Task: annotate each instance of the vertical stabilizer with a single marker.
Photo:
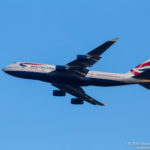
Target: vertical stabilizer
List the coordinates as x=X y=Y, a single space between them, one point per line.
x=140 y=69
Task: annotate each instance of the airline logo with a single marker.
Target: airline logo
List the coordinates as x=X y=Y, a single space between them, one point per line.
x=29 y=64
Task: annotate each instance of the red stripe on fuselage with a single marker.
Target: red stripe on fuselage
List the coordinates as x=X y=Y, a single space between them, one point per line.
x=30 y=64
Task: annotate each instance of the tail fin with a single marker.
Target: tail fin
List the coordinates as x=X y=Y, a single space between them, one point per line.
x=141 y=71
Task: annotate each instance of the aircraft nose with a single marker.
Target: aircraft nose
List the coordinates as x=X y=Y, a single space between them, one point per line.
x=3 y=69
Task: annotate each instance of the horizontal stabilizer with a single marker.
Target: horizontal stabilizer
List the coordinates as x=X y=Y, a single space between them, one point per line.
x=146 y=85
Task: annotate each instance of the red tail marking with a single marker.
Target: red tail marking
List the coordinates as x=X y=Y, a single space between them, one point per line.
x=146 y=64
x=134 y=72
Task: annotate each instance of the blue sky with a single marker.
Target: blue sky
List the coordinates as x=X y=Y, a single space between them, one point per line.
x=54 y=32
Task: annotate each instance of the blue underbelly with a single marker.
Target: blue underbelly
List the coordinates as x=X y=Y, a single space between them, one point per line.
x=47 y=78
x=102 y=82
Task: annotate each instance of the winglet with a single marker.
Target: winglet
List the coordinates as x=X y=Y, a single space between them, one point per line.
x=115 y=39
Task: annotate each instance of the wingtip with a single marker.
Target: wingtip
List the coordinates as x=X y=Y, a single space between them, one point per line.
x=105 y=104
x=102 y=104
x=115 y=39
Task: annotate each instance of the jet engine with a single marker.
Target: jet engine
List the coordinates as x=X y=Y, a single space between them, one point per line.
x=58 y=93
x=76 y=101
x=83 y=57
x=61 y=68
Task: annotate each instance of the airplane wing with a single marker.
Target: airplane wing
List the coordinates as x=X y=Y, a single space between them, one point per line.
x=77 y=69
x=83 y=61
x=93 y=56
x=78 y=92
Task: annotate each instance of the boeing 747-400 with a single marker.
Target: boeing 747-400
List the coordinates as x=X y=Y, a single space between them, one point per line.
x=71 y=77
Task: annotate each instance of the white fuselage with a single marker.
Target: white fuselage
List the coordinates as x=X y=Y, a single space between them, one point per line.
x=46 y=73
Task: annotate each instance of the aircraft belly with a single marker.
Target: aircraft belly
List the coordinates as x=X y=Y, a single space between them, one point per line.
x=102 y=82
x=47 y=78
x=44 y=77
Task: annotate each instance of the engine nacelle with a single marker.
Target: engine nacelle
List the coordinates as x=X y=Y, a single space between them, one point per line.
x=61 y=68
x=83 y=57
x=58 y=93
x=76 y=101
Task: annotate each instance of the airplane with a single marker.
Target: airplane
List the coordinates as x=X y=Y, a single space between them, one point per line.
x=70 y=78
